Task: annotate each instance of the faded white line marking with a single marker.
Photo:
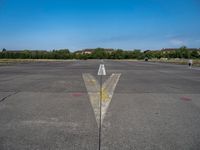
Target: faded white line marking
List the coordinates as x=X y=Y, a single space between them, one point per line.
x=108 y=88
x=93 y=87
x=102 y=70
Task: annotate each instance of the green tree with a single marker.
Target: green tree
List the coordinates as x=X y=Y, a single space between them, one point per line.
x=195 y=54
x=184 y=52
x=3 y=50
x=99 y=53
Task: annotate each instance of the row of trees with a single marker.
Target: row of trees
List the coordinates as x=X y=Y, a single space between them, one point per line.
x=101 y=53
x=26 y=54
x=182 y=52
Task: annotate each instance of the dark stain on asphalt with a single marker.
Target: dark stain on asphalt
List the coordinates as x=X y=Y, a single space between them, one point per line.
x=184 y=98
x=77 y=94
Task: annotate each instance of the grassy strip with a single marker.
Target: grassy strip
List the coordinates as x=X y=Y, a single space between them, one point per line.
x=196 y=62
x=8 y=61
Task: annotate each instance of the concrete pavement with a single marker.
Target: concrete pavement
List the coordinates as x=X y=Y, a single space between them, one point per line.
x=46 y=106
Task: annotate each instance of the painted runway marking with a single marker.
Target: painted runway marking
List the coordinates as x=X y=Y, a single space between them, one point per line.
x=102 y=70
x=93 y=89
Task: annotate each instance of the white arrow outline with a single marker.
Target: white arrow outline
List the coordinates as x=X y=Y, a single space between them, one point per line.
x=108 y=88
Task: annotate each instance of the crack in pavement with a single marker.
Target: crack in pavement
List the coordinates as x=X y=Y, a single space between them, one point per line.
x=4 y=98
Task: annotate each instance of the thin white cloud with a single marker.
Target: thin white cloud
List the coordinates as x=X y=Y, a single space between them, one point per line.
x=177 y=42
x=198 y=41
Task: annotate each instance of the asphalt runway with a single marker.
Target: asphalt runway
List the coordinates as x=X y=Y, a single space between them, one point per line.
x=47 y=106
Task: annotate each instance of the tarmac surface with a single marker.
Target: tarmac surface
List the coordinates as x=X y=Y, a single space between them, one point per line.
x=46 y=106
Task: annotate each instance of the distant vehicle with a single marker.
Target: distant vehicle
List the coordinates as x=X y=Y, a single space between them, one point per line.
x=146 y=59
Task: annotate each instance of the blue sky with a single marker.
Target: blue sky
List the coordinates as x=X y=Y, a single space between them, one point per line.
x=79 y=24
